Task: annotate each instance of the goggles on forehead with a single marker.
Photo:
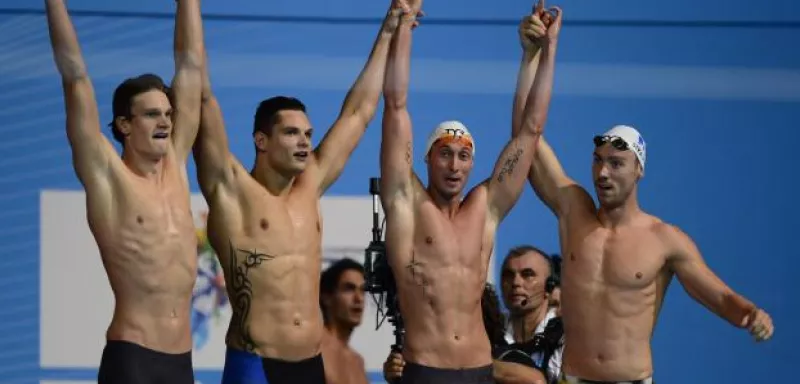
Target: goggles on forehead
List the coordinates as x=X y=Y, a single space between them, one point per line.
x=615 y=142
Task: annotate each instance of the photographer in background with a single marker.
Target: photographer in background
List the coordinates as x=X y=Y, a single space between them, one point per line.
x=528 y=278
x=341 y=299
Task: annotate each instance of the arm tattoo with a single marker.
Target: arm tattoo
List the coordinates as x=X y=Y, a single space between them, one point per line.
x=241 y=291
x=416 y=275
x=408 y=153
x=509 y=164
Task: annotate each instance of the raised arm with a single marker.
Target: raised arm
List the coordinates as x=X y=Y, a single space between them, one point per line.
x=706 y=288
x=186 y=86
x=358 y=109
x=91 y=152
x=510 y=171
x=211 y=151
x=396 y=154
x=531 y=30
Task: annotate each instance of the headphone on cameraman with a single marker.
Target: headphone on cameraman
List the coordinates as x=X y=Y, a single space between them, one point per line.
x=554 y=280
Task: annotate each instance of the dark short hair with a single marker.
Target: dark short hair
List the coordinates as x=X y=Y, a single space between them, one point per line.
x=267 y=112
x=331 y=276
x=520 y=250
x=124 y=94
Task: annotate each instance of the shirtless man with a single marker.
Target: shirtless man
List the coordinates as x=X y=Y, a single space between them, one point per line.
x=265 y=224
x=138 y=205
x=617 y=264
x=438 y=244
x=342 y=303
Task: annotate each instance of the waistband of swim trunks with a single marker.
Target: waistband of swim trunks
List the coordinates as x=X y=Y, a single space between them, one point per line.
x=566 y=379
x=443 y=375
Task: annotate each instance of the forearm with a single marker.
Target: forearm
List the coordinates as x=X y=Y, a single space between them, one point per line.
x=734 y=308
x=64 y=42
x=362 y=98
x=395 y=87
x=188 y=40
x=513 y=373
x=525 y=77
x=538 y=101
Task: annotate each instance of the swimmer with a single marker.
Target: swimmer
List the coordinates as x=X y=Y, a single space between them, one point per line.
x=265 y=223
x=342 y=304
x=618 y=261
x=439 y=240
x=138 y=204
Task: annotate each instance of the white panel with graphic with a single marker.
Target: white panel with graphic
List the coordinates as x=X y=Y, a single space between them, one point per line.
x=77 y=304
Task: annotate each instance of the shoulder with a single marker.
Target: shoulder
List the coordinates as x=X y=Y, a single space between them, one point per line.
x=672 y=237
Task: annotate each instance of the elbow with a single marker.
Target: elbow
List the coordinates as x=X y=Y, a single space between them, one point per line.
x=189 y=60
x=395 y=100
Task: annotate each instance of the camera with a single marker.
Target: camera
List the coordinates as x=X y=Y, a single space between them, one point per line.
x=379 y=280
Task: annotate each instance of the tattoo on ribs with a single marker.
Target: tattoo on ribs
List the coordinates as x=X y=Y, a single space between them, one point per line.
x=509 y=164
x=417 y=276
x=408 y=153
x=241 y=290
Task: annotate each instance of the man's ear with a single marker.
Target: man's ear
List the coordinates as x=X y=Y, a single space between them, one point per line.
x=260 y=140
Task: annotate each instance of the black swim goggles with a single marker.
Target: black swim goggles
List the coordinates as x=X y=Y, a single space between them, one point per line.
x=615 y=141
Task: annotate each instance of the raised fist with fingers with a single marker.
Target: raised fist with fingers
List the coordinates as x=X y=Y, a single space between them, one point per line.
x=531 y=31
x=759 y=324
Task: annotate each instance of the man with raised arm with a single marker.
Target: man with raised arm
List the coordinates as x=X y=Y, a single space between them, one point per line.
x=617 y=263
x=265 y=223
x=138 y=205
x=438 y=244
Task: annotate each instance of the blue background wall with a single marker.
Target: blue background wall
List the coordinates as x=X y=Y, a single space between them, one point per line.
x=714 y=86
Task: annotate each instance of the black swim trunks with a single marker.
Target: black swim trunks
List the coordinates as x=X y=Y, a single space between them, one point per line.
x=128 y=363
x=420 y=374
x=308 y=371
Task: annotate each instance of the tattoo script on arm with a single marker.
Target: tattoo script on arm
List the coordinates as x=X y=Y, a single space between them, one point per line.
x=509 y=164
x=241 y=290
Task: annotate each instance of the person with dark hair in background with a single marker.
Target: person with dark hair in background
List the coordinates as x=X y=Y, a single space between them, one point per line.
x=342 y=302
x=265 y=223
x=138 y=205
x=439 y=238
x=536 y=335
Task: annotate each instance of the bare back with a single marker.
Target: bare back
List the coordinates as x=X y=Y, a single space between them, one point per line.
x=147 y=241
x=343 y=365
x=613 y=287
x=270 y=251
x=440 y=268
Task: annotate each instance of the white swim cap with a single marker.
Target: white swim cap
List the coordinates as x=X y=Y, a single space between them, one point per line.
x=452 y=131
x=632 y=138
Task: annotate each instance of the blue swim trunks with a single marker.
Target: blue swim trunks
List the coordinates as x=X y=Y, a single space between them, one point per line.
x=243 y=368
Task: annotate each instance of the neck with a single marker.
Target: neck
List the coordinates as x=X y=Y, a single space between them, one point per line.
x=147 y=167
x=340 y=332
x=620 y=215
x=448 y=206
x=274 y=181
x=524 y=325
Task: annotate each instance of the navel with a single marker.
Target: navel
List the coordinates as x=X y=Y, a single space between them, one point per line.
x=457 y=337
x=319 y=228
x=296 y=322
x=572 y=256
x=264 y=224
x=429 y=240
x=139 y=219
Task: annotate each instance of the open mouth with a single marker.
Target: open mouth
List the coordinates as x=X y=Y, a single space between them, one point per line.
x=161 y=135
x=302 y=155
x=452 y=180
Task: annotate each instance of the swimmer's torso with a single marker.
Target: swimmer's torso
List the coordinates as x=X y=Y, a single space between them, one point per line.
x=342 y=364
x=613 y=287
x=269 y=248
x=440 y=269
x=148 y=245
